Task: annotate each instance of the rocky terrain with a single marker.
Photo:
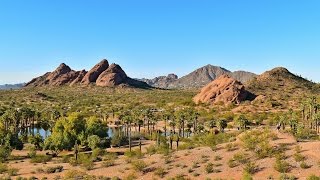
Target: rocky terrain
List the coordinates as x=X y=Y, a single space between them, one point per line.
x=224 y=89
x=101 y=75
x=280 y=82
x=198 y=78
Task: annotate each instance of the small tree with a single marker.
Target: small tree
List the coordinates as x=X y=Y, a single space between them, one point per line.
x=93 y=141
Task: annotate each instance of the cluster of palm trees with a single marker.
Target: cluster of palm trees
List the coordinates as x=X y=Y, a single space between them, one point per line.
x=25 y=120
x=310 y=114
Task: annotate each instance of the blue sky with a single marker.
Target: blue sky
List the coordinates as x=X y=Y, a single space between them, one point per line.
x=155 y=37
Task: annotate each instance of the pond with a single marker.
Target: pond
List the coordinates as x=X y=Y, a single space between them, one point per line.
x=46 y=133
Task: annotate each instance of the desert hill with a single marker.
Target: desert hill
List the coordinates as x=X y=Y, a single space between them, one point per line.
x=280 y=81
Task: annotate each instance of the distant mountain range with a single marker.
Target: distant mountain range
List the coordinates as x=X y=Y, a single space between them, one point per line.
x=11 y=86
x=197 y=78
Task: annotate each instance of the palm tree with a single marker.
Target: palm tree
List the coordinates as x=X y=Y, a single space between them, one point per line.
x=242 y=122
x=222 y=124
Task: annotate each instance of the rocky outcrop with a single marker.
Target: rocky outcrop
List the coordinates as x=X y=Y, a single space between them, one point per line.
x=94 y=73
x=79 y=78
x=111 y=77
x=61 y=76
x=224 y=89
x=101 y=75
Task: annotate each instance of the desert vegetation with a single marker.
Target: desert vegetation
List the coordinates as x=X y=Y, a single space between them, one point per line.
x=115 y=133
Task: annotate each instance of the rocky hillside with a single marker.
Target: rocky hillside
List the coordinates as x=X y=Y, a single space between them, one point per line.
x=278 y=81
x=224 y=89
x=198 y=78
x=101 y=75
x=161 y=81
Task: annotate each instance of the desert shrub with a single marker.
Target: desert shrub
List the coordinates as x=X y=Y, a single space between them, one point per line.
x=298 y=149
x=304 y=133
x=65 y=159
x=134 y=154
x=3 y=168
x=110 y=156
x=13 y=171
x=32 y=152
x=96 y=153
x=4 y=153
x=86 y=161
x=93 y=141
x=119 y=140
x=56 y=169
x=304 y=165
x=251 y=168
x=258 y=142
x=139 y=165
x=108 y=163
x=298 y=157
x=231 y=147
x=240 y=158
x=232 y=163
x=151 y=150
x=287 y=177
x=313 y=177
x=74 y=174
x=41 y=159
x=246 y=176
x=131 y=176
x=217 y=158
x=160 y=172
x=282 y=166
x=212 y=140
x=209 y=168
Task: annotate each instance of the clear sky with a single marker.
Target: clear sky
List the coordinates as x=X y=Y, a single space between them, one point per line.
x=155 y=37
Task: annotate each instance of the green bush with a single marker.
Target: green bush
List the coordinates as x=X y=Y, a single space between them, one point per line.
x=86 y=161
x=246 y=176
x=298 y=157
x=134 y=154
x=232 y=163
x=108 y=163
x=287 y=177
x=32 y=152
x=313 y=177
x=41 y=159
x=160 y=172
x=3 y=168
x=282 y=166
x=13 y=172
x=4 y=153
x=240 y=158
x=52 y=170
x=209 y=168
x=250 y=168
x=304 y=165
x=74 y=174
x=139 y=165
